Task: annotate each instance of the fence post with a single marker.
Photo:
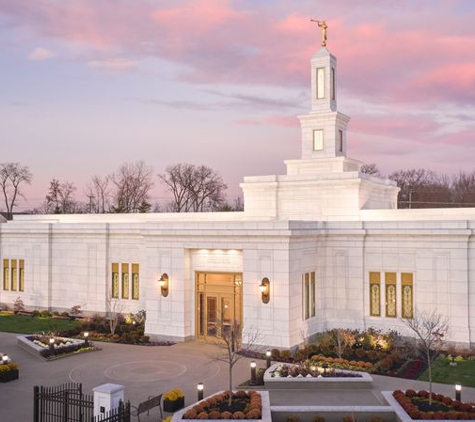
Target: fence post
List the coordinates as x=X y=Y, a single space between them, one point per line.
x=107 y=397
x=36 y=392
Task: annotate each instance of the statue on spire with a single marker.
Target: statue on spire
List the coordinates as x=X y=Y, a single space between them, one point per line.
x=324 y=27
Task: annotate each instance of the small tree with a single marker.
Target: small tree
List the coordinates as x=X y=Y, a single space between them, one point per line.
x=431 y=330
x=230 y=346
x=114 y=309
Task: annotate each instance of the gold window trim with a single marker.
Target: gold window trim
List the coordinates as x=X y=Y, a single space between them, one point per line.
x=135 y=281
x=375 y=293
x=390 y=280
x=125 y=281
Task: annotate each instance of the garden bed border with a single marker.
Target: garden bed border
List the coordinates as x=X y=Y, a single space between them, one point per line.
x=35 y=349
x=400 y=412
x=266 y=410
x=363 y=382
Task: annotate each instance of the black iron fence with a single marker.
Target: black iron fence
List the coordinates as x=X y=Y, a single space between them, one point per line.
x=67 y=403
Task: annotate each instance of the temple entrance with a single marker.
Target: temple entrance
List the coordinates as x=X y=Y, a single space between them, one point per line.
x=218 y=304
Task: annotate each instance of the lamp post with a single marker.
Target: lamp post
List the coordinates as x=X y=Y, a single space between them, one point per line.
x=253 y=373
x=325 y=367
x=51 y=344
x=200 y=388
x=458 y=392
x=268 y=359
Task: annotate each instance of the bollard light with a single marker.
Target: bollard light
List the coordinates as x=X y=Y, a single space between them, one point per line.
x=253 y=373
x=200 y=387
x=325 y=367
x=268 y=358
x=86 y=338
x=458 y=392
x=4 y=359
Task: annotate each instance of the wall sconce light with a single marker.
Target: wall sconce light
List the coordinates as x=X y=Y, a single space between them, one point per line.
x=163 y=284
x=458 y=392
x=264 y=288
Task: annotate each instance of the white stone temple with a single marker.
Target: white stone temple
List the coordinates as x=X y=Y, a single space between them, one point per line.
x=323 y=246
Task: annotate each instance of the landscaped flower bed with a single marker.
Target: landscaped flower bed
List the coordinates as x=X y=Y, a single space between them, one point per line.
x=8 y=371
x=244 y=405
x=416 y=405
x=310 y=371
x=40 y=345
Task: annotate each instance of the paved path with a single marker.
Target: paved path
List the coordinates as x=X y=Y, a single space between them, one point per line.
x=146 y=371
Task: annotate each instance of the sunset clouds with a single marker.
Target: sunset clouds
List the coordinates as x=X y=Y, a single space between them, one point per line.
x=406 y=76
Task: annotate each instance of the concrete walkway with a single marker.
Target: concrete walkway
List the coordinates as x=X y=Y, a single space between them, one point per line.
x=146 y=371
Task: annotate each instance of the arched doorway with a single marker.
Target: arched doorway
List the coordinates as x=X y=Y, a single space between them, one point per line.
x=218 y=303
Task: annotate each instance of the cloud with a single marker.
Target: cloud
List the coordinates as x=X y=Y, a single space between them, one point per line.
x=40 y=53
x=113 y=65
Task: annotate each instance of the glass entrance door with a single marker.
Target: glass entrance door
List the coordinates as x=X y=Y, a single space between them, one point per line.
x=218 y=304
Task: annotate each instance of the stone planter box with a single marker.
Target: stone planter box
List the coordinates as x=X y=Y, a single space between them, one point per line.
x=335 y=383
x=173 y=406
x=9 y=375
x=266 y=411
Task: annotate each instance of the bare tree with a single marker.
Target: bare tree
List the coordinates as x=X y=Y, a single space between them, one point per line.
x=431 y=330
x=343 y=340
x=12 y=175
x=132 y=182
x=421 y=188
x=114 y=310
x=194 y=188
x=59 y=199
x=371 y=169
x=231 y=344
x=463 y=189
x=99 y=194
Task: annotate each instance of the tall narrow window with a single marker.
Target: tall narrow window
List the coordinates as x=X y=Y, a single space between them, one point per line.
x=125 y=281
x=14 y=275
x=375 y=294
x=320 y=83
x=6 y=274
x=340 y=140
x=318 y=139
x=312 y=294
x=135 y=281
x=390 y=282
x=115 y=281
x=333 y=84
x=308 y=290
x=406 y=294
x=22 y=275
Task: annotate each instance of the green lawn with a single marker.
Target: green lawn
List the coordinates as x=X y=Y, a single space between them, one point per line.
x=442 y=372
x=28 y=325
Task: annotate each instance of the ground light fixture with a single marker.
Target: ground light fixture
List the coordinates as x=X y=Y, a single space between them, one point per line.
x=253 y=373
x=325 y=367
x=268 y=358
x=86 y=338
x=264 y=288
x=51 y=343
x=4 y=359
x=200 y=387
x=163 y=283
x=458 y=392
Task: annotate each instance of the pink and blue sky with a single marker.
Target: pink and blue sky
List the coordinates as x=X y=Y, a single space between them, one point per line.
x=87 y=85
